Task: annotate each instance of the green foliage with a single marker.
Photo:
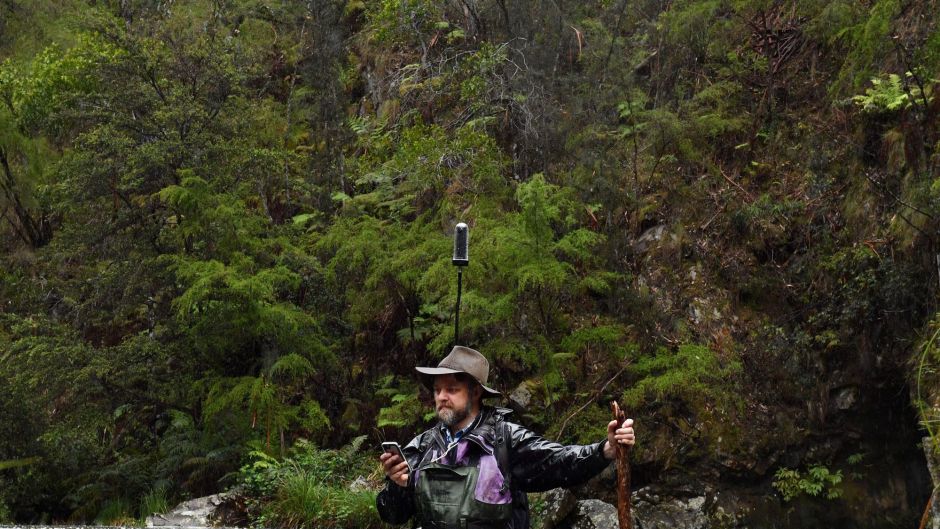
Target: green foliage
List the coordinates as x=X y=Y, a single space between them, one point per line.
x=404 y=408
x=310 y=488
x=887 y=95
x=692 y=374
x=539 y=256
x=154 y=502
x=17 y=463
x=925 y=378
x=115 y=512
x=42 y=94
x=402 y=21
x=816 y=481
x=867 y=39
x=267 y=403
x=227 y=228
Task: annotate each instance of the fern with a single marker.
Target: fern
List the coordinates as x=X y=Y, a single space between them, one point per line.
x=692 y=374
x=817 y=480
x=404 y=409
x=885 y=95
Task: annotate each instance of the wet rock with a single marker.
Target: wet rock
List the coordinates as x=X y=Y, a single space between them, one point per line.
x=650 y=237
x=191 y=513
x=845 y=398
x=557 y=504
x=672 y=513
x=521 y=397
x=233 y=511
x=595 y=514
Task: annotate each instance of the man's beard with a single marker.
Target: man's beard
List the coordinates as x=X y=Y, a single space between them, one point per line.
x=451 y=417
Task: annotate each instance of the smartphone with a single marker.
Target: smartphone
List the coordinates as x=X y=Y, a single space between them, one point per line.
x=394 y=448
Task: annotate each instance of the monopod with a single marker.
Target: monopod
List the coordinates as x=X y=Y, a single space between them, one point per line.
x=460 y=260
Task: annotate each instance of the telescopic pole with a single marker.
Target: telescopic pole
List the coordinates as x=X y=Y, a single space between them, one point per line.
x=457 y=310
x=461 y=259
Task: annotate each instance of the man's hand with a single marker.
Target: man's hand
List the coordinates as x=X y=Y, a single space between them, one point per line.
x=395 y=468
x=623 y=435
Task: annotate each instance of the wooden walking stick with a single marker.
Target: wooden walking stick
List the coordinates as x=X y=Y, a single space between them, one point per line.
x=623 y=474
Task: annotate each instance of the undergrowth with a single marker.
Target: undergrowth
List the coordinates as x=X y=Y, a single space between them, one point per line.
x=313 y=487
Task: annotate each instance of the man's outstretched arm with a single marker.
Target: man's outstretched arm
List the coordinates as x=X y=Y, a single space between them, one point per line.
x=539 y=464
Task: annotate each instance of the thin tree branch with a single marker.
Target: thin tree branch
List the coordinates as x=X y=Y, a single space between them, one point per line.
x=589 y=402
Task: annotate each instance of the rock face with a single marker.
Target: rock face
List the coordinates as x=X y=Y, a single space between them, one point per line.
x=595 y=514
x=676 y=513
x=190 y=513
x=650 y=237
x=561 y=510
x=558 y=504
x=521 y=397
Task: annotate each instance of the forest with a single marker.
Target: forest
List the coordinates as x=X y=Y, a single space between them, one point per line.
x=226 y=233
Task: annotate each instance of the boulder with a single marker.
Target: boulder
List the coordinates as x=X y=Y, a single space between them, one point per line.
x=650 y=237
x=556 y=505
x=595 y=514
x=521 y=397
x=190 y=513
x=845 y=398
x=672 y=513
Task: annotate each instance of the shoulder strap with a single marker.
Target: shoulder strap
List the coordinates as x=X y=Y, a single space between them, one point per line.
x=503 y=439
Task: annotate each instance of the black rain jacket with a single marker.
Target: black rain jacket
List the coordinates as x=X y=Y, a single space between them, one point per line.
x=536 y=465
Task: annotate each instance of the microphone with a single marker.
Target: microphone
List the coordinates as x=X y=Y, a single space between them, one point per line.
x=461 y=244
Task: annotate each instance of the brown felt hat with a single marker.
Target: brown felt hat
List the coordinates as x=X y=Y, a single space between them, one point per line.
x=462 y=360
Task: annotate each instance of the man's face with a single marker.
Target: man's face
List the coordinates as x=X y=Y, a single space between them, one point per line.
x=452 y=400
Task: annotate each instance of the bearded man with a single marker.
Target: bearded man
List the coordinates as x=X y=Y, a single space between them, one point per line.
x=473 y=469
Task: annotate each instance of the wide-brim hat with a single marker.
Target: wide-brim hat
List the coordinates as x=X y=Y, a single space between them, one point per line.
x=461 y=360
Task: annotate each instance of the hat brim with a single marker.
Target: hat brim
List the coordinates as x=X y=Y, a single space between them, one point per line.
x=431 y=372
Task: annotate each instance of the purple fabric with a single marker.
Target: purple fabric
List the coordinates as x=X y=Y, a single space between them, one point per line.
x=490 y=482
x=490 y=486
x=462 y=448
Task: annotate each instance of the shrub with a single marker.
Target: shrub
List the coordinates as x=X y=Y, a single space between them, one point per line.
x=311 y=487
x=816 y=481
x=154 y=502
x=115 y=512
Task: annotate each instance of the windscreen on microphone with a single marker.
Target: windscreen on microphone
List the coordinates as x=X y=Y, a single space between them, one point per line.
x=461 y=243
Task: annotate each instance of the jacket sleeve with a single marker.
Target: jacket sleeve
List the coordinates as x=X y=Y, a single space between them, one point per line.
x=539 y=465
x=396 y=504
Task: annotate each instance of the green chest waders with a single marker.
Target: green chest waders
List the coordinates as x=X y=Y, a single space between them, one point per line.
x=444 y=496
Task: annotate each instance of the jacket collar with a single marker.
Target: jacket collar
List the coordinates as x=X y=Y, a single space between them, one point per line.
x=484 y=431
x=449 y=438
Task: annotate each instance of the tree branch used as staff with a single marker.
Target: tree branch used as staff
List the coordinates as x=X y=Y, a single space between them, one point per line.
x=624 y=518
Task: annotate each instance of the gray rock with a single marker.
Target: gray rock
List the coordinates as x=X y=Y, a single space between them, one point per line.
x=190 y=513
x=595 y=514
x=845 y=398
x=674 y=513
x=360 y=484
x=650 y=237
x=557 y=505
x=521 y=397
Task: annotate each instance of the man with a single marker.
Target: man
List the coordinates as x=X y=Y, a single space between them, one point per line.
x=473 y=469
